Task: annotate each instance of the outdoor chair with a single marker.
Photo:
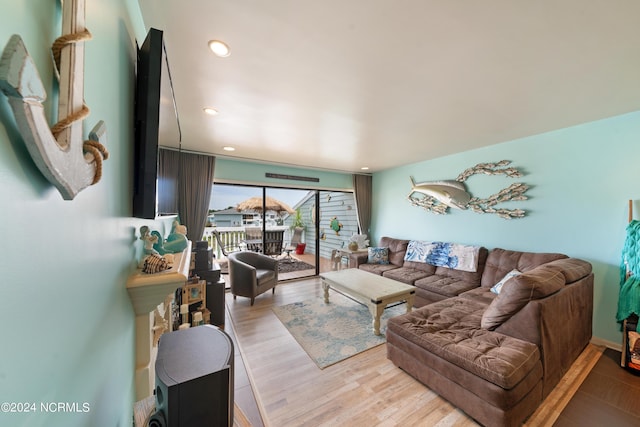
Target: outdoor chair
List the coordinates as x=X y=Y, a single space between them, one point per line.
x=293 y=243
x=273 y=240
x=253 y=238
x=252 y=274
x=226 y=250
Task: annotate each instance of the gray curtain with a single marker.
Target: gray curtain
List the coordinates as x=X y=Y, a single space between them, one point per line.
x=168 y=169
x=194 y=192
x=363 y=190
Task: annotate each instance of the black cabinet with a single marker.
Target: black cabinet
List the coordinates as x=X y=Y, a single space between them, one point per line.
x=215 y=294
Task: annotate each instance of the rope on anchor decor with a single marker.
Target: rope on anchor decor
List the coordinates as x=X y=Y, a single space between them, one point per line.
x=64 y=40
x=93 y=147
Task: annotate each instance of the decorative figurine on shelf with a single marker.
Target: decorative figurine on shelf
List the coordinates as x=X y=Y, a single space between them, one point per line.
x=159 y=244
x=154 y=263
x=149 y=240
x=176 y=241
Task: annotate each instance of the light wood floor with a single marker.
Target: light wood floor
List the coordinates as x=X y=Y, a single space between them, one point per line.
x=364 y=390
x=609 y=396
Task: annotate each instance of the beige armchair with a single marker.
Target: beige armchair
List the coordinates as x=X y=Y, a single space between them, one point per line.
x=252 y=274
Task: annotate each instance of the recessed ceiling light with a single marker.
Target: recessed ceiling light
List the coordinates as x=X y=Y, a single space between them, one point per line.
x=219 y=48
x=210 y=111
x=364 y=168
x=228 y=148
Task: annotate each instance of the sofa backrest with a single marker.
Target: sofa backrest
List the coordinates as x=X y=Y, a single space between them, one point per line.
x=502 y=261
x=397 y=249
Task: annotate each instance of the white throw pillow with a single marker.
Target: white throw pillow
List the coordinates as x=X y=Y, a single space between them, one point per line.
x=498 y=286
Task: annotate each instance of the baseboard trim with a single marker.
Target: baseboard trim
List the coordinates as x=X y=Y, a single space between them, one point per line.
x=609 y=344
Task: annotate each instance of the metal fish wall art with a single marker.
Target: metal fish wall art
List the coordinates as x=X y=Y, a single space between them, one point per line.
x=438 y=196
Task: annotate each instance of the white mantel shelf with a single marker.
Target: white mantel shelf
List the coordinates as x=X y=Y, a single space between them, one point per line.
x=148 y=290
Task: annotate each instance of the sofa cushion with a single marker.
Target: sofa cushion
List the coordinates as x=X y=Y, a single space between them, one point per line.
x=480 y=294
x=377 y=268
x=422 y=266
x=397 y=249
x=450 y=329
x=444 y=285
x=264 y=276
x=519 y=290
x=501 y=261
x=410 y=272
x=378 y=255
x=406 y=274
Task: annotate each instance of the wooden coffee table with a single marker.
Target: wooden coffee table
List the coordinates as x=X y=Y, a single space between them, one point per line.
x=376 y=292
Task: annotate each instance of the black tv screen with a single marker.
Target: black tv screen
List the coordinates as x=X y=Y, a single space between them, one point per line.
x=156 y=121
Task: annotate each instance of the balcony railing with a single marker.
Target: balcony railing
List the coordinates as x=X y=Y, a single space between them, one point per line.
x=234 y=237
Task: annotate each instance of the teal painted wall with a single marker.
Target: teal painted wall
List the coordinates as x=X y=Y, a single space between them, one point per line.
x=67 y=321
x=581 y=179
x=238 y=171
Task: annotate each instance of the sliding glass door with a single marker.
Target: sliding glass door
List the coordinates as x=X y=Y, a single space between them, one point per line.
x=264 y=219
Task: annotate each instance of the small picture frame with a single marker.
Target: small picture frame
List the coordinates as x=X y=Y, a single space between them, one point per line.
x=193 y=292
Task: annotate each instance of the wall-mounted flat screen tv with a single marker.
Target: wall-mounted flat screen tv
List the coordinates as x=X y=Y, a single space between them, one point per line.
x=156 y=121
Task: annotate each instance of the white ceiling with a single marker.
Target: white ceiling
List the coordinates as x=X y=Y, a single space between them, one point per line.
x=341 y=84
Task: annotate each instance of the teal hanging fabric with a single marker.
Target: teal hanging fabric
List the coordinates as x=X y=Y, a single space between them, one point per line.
x=629 y=296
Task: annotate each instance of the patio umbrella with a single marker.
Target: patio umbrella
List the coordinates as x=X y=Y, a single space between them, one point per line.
x=255 y=204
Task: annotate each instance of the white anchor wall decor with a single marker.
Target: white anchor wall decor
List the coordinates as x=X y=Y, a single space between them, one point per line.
x=438 y=196
x=60 y=153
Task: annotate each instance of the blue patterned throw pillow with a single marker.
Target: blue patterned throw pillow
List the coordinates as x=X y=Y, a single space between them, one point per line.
x=378 y=255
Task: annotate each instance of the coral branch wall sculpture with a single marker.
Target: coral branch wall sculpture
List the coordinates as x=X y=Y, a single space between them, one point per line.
x=438 y=196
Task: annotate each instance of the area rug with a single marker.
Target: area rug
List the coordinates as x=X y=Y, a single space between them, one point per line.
x=336 y=331
x=286 y=266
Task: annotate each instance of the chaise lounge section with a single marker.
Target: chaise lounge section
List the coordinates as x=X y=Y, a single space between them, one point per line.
x=494 y=356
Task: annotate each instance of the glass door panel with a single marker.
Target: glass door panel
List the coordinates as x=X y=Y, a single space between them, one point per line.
x=231 y=223
x=338 y=222
x=297 y=259
x=236 y=213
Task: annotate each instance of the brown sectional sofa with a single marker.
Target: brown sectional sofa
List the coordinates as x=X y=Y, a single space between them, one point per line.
x=496 y=357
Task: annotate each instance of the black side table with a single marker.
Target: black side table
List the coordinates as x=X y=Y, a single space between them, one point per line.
x=215 y=294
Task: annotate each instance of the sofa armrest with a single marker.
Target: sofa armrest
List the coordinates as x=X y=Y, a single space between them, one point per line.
x=243 y=278
x=356 y=259
x=560 y=324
